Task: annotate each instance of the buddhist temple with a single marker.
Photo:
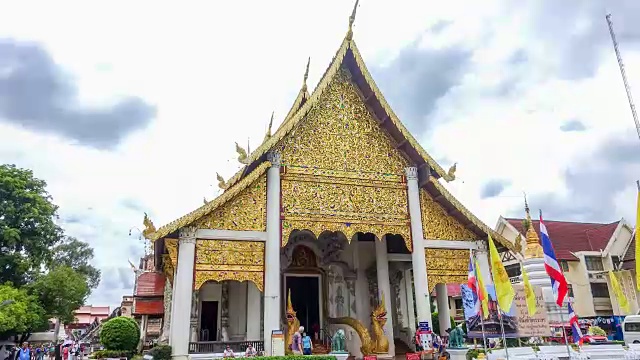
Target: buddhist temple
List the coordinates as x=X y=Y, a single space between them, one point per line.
x=338 y=220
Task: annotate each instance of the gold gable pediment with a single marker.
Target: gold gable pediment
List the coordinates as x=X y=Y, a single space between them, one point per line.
x=437 y=224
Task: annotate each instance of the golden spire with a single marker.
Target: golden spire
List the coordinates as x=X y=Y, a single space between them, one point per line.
x=290 y=310
x=352 y=18
x=533 y=249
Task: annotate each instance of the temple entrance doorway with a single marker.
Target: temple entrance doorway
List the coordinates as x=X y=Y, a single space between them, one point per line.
x=209 y=321
x=305 y=299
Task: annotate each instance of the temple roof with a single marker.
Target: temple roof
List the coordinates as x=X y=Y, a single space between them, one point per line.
x=429 y=170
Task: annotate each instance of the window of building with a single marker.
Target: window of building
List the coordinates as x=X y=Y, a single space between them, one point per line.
x=599 y=290
x=593 y=263
x=570 y=290
x=513 y=270
x=458 y=303
x=564 y=265
x=615 y=259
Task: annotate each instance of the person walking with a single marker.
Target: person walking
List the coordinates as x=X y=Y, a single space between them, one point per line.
x=24 y=353
x=307 y=345
x=296 y=342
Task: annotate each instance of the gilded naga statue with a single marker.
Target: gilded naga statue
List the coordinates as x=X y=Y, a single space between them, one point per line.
x=293 y=324
x=243 y=158
x=221 y=183
x=149 y=228
x=378 y=320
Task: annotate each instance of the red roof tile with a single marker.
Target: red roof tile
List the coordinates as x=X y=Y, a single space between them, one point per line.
x=148 y=307
x=150 y=284
x=568 y=237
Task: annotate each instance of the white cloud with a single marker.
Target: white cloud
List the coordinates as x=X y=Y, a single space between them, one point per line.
x=216 y=72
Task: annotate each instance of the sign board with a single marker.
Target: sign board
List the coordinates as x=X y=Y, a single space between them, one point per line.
x=424 y=326
x=277 y=343
x=531 y=326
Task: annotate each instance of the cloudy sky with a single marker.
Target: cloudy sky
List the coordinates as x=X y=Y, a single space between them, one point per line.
x=126 y=107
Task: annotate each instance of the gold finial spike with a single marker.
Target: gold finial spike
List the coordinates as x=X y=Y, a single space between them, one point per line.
x=306 y=75
x=248 y=147
x=267 y=136
x=352 y=19
x=221 y=183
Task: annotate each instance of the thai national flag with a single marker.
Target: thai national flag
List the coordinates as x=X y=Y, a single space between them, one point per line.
x=558 y=281
x=472 y=282
x=575 y=327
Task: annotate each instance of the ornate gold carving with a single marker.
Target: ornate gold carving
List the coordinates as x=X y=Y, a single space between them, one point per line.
x=214 y=204
x=469 y=215
x=172 y=249
x=438 y=225
x=246 y=211
x=149 y=228
x=218 y=260
x=204 y=276
x=293 y=324
x=167 y=267
x=347 y=227
x=446 y=266
x=361 y=330
x=378 y=319
x=340 y=133
x=221 y=184
x=303 y=257
x=242 y=154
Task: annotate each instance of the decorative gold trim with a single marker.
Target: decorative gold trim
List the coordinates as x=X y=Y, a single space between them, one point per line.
x=469 y=215
x=212 y=205
x=446 y=266
x=172 y=249
x=219 y=260
x=204 y=276
x=167 y=267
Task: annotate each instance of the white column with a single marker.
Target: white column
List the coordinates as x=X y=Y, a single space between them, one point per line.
x=423 y=304
x=272 y=253
x=410 y=307
x=253 y=312
x=384 y=288
x=444 y=314
x=181 y=319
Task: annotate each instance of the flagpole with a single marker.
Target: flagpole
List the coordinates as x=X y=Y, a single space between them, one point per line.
x=564 y=331
x=504 y=338
x=484 y=336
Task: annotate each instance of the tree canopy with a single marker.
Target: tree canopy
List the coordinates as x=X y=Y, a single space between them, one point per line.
x=27 y=225
x=45 y=273
x=77 y=255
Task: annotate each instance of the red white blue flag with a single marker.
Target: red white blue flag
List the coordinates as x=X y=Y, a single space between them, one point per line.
x=558 y=281
x=472 y=282
x=575 y=327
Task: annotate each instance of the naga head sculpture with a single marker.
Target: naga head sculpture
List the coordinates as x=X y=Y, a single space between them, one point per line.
x=291 y=314
x=379 y=314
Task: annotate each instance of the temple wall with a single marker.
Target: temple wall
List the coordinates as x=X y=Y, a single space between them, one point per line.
x=237 y=310
x=211 y=292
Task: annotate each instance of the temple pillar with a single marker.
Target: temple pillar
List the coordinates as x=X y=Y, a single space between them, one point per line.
x=224 y=311
x=272 y=253
x=194 y=316
x=418 y=261
x=444 y=313
x=183 y=292
x=410 y=306
x=166 y=321
x=384 y=289
x=253 y=312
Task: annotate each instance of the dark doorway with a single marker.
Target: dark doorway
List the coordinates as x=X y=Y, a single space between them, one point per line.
x=305 y=300
x=209 y=321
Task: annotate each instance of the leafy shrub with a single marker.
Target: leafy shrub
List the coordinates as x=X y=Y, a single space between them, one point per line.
x=101 y=354
x=473 y=353
x=120 y=333
x=161 y=352
x=597 y=330
x=435 y=322
x=295 y=357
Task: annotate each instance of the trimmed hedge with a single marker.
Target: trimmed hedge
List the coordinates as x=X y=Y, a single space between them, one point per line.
x=120 y=333
x=161 y=352
x=295 y=357
x=103 y=354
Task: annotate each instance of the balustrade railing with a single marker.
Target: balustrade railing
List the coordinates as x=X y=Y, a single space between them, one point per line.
x=209 y=347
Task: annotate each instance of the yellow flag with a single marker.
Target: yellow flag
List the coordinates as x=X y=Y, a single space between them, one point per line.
x=482 y=291
x=617 y=290
x=504 y=289
x=529 y=294
x=637 y=235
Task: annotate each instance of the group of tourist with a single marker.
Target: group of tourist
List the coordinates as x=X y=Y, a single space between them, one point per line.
x=249 y=352
x=60 y=351
x=301 y=343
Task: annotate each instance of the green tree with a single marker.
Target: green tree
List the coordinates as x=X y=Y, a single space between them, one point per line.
x=61 y=291
x=22 y=316
x=120 y=333
x=77 y=255
x=27 y=225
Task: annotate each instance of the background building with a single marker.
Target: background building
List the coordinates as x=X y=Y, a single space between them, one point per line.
x=586 y=252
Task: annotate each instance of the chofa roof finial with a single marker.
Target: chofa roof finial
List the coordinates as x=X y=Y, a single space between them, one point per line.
x=352 y=18
x=306 y=75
